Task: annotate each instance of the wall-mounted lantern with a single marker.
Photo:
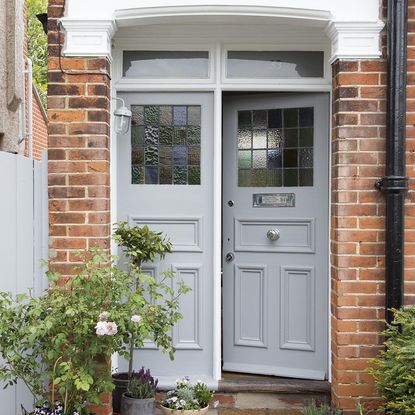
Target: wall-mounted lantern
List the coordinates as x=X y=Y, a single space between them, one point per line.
x=122 y=118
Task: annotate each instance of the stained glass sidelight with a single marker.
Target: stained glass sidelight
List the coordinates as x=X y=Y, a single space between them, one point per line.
x=165 y=144
x=275 y=147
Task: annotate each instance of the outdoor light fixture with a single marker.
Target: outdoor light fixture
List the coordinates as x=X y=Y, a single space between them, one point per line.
x=43 y=18
x=122 y=118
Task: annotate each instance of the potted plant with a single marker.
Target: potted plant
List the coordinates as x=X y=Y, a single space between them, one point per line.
x=139 y=398
x=187 y=399
x=141 y=245
x=60 y=344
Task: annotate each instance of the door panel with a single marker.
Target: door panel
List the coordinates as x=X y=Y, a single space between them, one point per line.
x=275 y=224
x=165 y=182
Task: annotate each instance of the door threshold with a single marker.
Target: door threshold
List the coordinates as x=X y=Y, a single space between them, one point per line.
x=240 y=382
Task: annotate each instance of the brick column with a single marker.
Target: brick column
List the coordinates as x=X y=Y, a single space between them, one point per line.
x=358 y=225
x=79 y=155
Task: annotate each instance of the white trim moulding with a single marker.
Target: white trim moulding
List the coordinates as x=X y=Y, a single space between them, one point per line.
x=129 y=17
x=354 y=40
x=349 y=39
x=88 y=37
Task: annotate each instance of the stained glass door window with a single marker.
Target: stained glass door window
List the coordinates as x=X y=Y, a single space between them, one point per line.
x=165 y=144
x=275 y=147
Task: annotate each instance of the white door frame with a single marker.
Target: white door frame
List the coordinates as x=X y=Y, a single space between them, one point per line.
x=217 y=83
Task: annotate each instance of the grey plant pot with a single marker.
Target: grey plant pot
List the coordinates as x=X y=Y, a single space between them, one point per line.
x=131 y=406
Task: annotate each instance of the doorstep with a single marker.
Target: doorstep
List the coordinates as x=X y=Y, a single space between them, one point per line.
x=210 y=412
x=265 y=395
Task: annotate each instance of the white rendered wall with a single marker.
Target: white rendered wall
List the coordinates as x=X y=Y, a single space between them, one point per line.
x=350 y=10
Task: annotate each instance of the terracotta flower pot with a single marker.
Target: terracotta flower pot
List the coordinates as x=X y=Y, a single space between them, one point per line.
x=169 y=411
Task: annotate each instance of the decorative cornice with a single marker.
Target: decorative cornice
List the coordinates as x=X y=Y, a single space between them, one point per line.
x=88 y=37
x=128 y=17
x=354 y=40
x=349 y=39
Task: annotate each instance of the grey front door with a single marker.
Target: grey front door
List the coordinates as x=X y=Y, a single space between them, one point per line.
x=275 y=241
x=165 y=181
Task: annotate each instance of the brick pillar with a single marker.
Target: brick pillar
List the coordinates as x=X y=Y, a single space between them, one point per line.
x=358 y=226
x=79 y=155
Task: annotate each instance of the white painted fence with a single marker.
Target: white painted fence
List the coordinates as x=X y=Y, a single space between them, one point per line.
x=23 y=242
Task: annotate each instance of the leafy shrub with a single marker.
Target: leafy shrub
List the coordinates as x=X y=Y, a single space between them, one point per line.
x=37 y=46
x=140 y=245
x=394 y=370
x=142 y=385
x=65 y=338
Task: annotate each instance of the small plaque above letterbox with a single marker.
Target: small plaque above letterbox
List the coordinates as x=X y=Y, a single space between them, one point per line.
x=273 y=200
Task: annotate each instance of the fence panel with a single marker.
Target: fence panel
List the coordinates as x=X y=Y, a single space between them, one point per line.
x=23 y=242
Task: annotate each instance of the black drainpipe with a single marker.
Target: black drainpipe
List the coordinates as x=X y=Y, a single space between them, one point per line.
x=395 y=182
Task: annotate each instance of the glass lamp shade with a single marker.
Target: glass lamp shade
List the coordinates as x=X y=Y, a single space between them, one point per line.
x=122 y=120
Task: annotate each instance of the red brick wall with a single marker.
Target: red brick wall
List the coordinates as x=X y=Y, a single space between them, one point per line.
x=357 y=246
x=79 y=157
x=40 y=128
x=79 y=194
x=358 y=222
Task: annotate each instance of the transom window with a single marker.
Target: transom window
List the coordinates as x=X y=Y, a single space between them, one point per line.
x=165 y=64
x=275 y=147
x=275 y=64
x=165 y=144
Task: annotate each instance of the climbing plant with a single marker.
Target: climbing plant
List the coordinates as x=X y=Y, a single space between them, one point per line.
x=37 y=45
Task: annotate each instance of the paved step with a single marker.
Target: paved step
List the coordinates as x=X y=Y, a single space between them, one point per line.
x=265 y=395
x=210 y=412
x=239 y=383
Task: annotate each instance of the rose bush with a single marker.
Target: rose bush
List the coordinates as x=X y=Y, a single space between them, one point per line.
x=66 y=337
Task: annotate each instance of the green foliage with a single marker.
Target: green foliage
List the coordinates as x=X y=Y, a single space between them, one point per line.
x=203 y=394
x=361 y=409
x=323 y=409
x=37 y=45
x=140 y=244
x=187 y=396
x=69 y=334
x=394 y=370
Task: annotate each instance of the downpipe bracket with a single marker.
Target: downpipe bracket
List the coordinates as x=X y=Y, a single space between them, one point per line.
x=392 y=184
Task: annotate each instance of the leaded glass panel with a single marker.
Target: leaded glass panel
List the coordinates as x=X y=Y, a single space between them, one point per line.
x=165 y=144
x=275 y=147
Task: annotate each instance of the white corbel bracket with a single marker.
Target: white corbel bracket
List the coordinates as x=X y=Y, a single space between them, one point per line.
x=88 y=37
x=354 y=40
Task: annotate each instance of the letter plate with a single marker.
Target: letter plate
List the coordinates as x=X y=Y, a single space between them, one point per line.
x=273 y=200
